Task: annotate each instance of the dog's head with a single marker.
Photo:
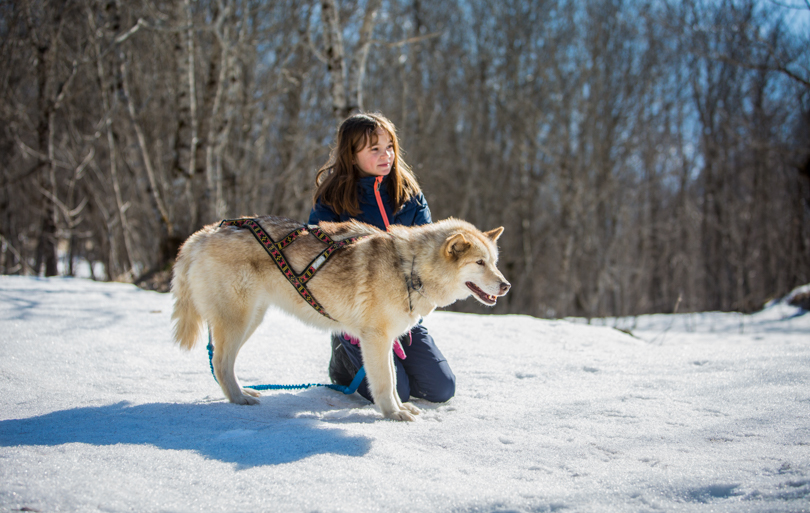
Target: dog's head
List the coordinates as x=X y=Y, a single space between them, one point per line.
x=474 y=256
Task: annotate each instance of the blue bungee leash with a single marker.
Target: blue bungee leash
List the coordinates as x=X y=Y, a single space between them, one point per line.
x=348 y=390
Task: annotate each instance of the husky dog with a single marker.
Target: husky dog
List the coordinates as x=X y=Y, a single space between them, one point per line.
x=375 y=288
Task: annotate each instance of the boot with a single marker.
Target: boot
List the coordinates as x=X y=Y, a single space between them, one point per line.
x=341 y=369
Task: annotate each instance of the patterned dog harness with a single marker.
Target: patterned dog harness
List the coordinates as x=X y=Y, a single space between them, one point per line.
x=274 y=249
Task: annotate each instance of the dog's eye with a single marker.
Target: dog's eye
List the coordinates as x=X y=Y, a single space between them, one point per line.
x=480 y=262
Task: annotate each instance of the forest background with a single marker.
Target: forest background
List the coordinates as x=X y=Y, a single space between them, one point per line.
x=644 y=156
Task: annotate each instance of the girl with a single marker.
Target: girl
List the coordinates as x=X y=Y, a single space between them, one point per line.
x=367 y=180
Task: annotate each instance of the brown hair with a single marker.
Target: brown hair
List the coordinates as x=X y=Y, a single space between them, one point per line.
x=336 y=182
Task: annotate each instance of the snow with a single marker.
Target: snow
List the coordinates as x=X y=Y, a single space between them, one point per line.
x=99 y=411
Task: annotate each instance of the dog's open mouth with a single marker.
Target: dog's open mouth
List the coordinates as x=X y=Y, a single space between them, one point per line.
x=485 y=298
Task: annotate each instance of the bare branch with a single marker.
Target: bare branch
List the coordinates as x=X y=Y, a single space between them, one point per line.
x=31 y=152
x=66 y=86
x=311 y=46
x=129 y=33
x=147 y=160
x=410 y=40
x=780 y=68
x=357 y=70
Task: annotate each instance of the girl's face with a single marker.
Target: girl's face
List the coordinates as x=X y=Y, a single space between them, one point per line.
x=377 y=157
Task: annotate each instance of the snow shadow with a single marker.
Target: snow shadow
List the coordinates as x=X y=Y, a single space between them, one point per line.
x=224 y=432
x=18 y=307
x=90 y=311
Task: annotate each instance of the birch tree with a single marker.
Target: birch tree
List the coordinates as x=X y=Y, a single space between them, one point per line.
x=346 y=72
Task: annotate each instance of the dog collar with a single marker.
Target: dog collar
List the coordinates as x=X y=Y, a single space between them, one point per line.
x=413 y=282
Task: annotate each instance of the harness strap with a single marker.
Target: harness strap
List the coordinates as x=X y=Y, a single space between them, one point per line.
x=298 y=282
x=274 y=248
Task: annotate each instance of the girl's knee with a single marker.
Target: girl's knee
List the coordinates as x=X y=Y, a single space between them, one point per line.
x=441 y=391
x=446 y=392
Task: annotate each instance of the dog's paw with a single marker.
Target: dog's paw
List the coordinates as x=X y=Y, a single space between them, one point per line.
x=250 y=391
x=401 y=415
x=411 y=408
x=245 y=399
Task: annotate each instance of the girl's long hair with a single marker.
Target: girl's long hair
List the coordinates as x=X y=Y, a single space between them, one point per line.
x=336 y=182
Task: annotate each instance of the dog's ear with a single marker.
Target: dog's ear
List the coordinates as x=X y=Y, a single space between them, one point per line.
x=456 y=245
x=494 y=234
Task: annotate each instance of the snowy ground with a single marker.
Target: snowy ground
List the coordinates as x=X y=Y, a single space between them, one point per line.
x=99 y=411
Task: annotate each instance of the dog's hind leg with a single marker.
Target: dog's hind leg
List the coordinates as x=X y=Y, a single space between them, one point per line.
x=229 y=336
x=255 y=322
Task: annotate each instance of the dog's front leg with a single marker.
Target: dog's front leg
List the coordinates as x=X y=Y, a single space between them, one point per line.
x=402 y=406
x=382 y=378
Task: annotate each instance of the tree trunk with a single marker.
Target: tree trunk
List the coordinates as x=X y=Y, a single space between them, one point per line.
x=156 y=187
x=106 y=92
x=185 y=133
x=357 y=70
x=333 y=42
x=46 y=57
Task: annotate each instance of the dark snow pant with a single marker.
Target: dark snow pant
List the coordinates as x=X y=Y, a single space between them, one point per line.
x=424 y=373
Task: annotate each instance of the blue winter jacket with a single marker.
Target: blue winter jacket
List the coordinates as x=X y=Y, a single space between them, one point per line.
x=413 y=213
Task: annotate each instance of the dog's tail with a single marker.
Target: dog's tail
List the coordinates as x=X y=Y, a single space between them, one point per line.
x=187 y=319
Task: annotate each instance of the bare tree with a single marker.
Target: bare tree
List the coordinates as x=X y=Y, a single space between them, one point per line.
x=644 y=157
x=346 y=81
